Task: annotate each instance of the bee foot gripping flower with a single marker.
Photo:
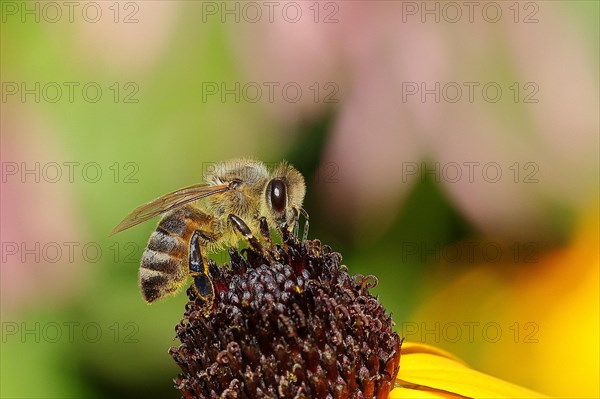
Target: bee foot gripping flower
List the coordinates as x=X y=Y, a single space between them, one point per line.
x=298 y=326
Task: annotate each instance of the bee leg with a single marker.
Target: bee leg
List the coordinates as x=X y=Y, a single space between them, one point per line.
x=243 y=228
x=284 y=233
x=266 y=234
x=296 y=222
x=264 y=229
x=305 y=230
x=199 y=269
x=296 y=228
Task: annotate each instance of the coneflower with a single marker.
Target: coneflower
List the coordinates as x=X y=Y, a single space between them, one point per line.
x=290 y=322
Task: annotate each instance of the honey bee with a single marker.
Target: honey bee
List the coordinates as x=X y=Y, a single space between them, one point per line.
x=239 y=199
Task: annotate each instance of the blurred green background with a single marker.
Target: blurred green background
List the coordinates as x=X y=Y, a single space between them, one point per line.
x=106 y=105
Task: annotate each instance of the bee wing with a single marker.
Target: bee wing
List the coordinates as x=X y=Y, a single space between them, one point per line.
x=168 y=202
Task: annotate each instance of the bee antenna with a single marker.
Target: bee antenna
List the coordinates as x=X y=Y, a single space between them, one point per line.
x=304 y=213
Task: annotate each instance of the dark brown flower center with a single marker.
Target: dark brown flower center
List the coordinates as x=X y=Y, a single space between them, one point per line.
x=293 y=326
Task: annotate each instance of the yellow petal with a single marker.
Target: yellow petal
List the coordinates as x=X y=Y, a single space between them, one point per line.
x=417 y=347
x=548 y=310
x=419 y=393
x=429 y=372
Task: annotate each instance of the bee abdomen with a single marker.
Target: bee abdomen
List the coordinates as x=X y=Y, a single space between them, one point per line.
x=164 y=243
x=164 y=266
x=154 y=284
x=162 y=272
x=160 y=261
x=175 y=223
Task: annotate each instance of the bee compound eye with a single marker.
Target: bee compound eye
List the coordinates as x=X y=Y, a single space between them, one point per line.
x=277 y=195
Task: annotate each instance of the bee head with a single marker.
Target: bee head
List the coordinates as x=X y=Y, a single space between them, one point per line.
x=284 y=195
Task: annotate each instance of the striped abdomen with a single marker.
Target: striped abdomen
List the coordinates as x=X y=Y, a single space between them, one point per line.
x=164 y=266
